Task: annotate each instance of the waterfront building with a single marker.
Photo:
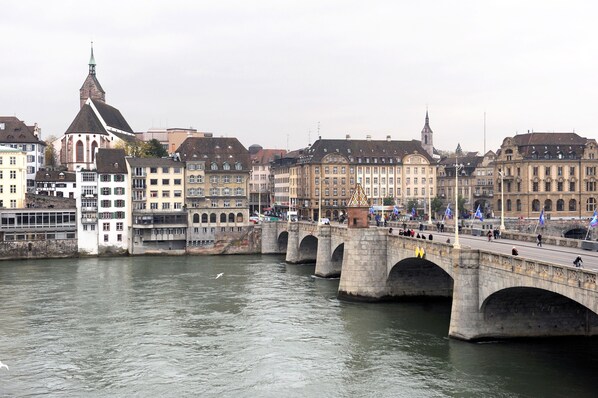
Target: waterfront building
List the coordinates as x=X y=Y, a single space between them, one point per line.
x=554 y=172
x=261 y=185
x=398 y=171
x=216 y=186
x=97 y=125
x=62 y=184
x=285 y=198
x=159 y=217
x=37 y=225
x=13 y=177
x=14 y=133
x=468 y=164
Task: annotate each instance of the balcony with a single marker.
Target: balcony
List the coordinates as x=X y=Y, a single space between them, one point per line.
x=89 y=208
x=89 y=220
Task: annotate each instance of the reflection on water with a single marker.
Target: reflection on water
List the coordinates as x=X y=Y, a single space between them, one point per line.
x=165 y=326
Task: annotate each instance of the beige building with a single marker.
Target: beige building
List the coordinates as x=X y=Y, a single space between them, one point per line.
x=261 y=184
x=216 y=184
x=13 y=177
x=556 y=172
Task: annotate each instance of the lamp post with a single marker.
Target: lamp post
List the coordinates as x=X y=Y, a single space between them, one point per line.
x=429 y=203
x=458 y=167
x=502 y=201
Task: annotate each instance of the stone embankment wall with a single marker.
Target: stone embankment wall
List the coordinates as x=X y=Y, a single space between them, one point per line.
x=45 y=202
x=249 y=241
x=54 y=248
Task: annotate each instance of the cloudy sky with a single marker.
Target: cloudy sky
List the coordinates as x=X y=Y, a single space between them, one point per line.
x=271 y=71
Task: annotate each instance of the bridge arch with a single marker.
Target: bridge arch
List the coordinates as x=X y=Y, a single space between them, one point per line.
x=283 y=241
x=308 y=249
x=526 y=311
x=418 y=277
x=336 y=258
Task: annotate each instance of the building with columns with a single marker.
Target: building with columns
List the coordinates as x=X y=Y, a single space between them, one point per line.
x=97 y=125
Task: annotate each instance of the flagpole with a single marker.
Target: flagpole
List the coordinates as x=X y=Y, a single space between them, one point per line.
x=538 y=223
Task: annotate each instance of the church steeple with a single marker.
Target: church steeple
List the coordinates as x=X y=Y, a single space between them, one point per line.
x=92 y=62
x=91 y=86
x=427 y=141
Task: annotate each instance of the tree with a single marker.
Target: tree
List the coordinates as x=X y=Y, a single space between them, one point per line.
x=51 y=157
x=411 y=204
x=462 y=209
x=134 y=148
x=155 y=150
x=388 y=201
x=436 y=205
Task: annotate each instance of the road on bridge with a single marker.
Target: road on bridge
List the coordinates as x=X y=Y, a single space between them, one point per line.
x=548 y=253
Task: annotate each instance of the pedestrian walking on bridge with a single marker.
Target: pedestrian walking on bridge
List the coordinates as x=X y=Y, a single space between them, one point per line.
x=578 y=262
x=539 y=240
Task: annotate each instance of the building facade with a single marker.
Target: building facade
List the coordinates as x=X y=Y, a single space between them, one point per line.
x=261 y=185
x=61 y=184
x=554 y=172
x=13 y=177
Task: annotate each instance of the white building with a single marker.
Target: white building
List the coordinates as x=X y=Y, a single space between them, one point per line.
x=56 y=183
x=103 y=206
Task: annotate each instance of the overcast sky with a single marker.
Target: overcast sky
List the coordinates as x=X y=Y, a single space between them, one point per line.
x=267 y=70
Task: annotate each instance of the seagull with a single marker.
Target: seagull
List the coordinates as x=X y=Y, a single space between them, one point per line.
x=3 y=365
x=219 y=275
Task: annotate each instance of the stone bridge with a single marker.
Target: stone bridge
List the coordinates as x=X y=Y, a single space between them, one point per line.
x=493 y=295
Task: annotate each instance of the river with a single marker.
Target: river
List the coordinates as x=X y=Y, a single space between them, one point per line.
x=167 y=327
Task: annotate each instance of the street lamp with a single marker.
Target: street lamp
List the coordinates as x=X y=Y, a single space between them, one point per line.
x=320 y=201
x=458 y=167
x=502 y=201
x=429 y=203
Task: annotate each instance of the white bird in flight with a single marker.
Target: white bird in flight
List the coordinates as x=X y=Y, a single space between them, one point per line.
x=2 y=365
x=219 y=275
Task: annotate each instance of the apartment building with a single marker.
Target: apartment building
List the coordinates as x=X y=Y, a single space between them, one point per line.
x=13 y=177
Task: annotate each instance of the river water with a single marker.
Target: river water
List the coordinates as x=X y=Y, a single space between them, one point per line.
x=167 y=327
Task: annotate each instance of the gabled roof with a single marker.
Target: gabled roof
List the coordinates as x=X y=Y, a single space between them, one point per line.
x=359 y=198
x=86 y=121
x=95 y=82
x=215 y=150
x=549 y=145
x=265 y=156
x=111 y=161
x=15 y=131
x=55 y=175
x=112 y=116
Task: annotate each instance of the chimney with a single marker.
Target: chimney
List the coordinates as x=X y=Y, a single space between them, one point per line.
x=388 y=138
x=368 y=137
x=348 y=137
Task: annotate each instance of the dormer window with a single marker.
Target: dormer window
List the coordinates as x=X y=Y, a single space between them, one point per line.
x=213 y=166
x=226 y=166
x=238 y=166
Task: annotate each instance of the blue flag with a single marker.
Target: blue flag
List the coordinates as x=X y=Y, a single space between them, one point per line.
x=395 y=210
x=478 y=214
x=448 y=213
x=372 y=211
x=413 y=213
x=594 y=220
x=542 y=218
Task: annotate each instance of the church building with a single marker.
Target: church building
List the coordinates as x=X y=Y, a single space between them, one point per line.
x=97 y=125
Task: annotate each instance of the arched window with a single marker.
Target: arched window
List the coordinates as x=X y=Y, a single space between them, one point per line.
x=195 y=218
x=518 y=204
x=231 y=217
x=509 y=205
x=192 y=179
x=239 y=217
x=548 y=205
x=213 y=166
x=225 y=166
x=204 y=217
x=535 y=205
x=94 y=145
x=222 y=217
x=591 y=204
x=426 y=139
x=572 y=205
x=226 y=191
x=213 y=217
x=560 y=205
x=238 y=166
x=79 y=152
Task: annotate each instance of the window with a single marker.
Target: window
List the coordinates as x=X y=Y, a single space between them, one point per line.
x=106 y=226
x=119 y=203
x=213 y=166
x=13 y=203
x=547 y=171
x=214 y=179
x=238 y=166
x=105 y=237
x=225 y=166
x=119 y=191
x=178 y=193
x=518 y=204
x=547 y=186
x=166 y=206
x=165 y=181
x=119 y=178
x=119 y=226
x=119 y=237
x=239 y=203
x=165 y=170
x=535 y=205
x=166 y=194
x=153 y=181
x=560 y=205
x=222 y=217
x=535 y=186
x=548 y=205
x=227 y=203
x=591 y=204
x=105 y=178
x=153 y=206
x=571 y=186
x=153 y=194
x=13 y=189
x=13 y=174
x=572 y=205
x=177 y=181
x=105 y=203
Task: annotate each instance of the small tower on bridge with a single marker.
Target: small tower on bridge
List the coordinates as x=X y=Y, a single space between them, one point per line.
x=358 y=209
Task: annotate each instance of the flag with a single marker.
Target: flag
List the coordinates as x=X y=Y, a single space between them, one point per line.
x=448 y=213
x=372 y=211
x=395 y=210
x=594 y=220
x=478 y=214
x=413 y=213
x=542 y=218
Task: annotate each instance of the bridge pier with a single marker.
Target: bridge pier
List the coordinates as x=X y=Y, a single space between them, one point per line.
x=364 y=265
x=324 y=266
x=466 y=317
x=293 y=255
x=269 y=238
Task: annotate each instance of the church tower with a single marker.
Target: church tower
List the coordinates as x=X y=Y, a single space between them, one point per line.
x=427 y=141
x=91 y=87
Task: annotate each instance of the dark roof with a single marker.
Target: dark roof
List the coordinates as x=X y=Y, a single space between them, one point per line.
x=54 y=175
x=265 y=156
x=354 y=149
x=154 y=162
x=95 y=81
x=215 y=150
x=549 y=145
x=86 y=121
x=112 y=116
x=468 y=160
x=15 y=131
x=111 y=161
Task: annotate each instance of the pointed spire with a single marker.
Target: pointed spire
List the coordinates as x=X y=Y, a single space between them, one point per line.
x=427 y=118
x=92 y=62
